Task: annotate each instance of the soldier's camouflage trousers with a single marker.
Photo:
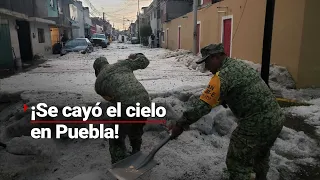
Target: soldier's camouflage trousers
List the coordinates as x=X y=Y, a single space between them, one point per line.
x=250 y=145
x=117 y=147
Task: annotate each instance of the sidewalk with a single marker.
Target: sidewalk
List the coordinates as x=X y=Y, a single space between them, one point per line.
x=26 y=66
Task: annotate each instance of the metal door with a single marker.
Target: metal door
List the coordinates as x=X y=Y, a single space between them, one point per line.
x=6 y=58
x=227 y=36
x=198 y=39
x=179 y=37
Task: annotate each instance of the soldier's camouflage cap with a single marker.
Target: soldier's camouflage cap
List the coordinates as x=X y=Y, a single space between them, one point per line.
x=99 y=62
x=211 y=49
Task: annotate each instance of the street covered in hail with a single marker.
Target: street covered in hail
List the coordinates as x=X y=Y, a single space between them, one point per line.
x=173 y=80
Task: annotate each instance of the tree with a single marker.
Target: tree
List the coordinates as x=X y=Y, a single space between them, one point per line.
x=145 y=32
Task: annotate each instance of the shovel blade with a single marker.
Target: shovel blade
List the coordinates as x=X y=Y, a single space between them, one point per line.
x=125 y=169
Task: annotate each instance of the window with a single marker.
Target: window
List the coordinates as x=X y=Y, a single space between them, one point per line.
x=41 y=38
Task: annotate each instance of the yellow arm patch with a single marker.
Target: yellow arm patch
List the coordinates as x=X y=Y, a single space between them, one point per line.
x=211 y=95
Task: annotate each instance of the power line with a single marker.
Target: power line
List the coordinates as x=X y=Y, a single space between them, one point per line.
x=244 y=7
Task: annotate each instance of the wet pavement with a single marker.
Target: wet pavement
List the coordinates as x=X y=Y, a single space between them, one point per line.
x=297 y=123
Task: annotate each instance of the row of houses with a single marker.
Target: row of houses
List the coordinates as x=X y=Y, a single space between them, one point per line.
x=239 y=25
x=32 y=27
x=157 y=14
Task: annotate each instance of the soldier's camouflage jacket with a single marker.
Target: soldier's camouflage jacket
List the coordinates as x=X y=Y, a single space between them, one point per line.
x=241 y=87
x=117 y=82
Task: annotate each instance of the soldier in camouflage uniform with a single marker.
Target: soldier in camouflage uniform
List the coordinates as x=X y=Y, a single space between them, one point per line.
x=251 y=101
x=117 y=83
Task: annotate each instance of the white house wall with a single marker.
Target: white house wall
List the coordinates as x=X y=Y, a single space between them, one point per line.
x=79 y=32
x=153 y=24
x=81 y=21
x=40 y=48
x=14 y=37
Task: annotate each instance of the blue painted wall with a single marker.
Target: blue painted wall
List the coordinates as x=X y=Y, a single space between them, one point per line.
x=52 y=11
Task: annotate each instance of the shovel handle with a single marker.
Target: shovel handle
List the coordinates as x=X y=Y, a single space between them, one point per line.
x=160 y=145
x=154 y=151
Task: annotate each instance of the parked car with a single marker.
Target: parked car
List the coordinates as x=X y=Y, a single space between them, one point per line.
x=82 y=45
x=99 y=40
x=134 y=40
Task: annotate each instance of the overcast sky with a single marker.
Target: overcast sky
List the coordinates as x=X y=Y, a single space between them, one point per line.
x=115 y=10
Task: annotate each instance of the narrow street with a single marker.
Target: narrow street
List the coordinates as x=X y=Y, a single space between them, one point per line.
x=74 y=72
x=54 y=125
x=172 y=80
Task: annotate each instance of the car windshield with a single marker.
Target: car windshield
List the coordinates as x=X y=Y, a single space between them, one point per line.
x=99 y=36
x=76 y=42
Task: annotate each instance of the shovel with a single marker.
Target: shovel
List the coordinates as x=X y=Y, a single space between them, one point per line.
x=137 y=164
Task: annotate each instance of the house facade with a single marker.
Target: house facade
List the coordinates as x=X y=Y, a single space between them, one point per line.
x=169 y=10
x=9 y=40
x=152 y=12
x=77 y=18
x=132 y=29
x=239 y=25
x=63 y=21
x=87 y=22
x=23 y=24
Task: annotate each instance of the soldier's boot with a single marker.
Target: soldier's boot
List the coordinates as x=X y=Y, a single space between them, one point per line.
x=135 y=137
x=117 y=150
x=261 y=165
x=135 y=142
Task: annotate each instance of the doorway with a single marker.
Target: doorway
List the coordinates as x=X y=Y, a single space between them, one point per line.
x=55 y=36
x=198 y=37
x=167 y=33
x=226 y=34
x=179 y=37
x=24 y=40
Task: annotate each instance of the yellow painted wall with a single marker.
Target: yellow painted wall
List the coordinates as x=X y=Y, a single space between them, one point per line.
x=309 y=66
x=295 y=34
x=55 y=36
x=247 y=39
x=287 y=34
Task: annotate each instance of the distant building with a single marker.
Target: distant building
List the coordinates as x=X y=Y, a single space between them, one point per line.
x=132 y=29
x=87 y=22
x=153 y=13
x=77 y=19
x=100 y=23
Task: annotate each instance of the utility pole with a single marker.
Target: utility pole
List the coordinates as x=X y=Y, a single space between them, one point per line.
x=103 y=16
x=267 y=40
x=195 y=34
x=123 y=22
x=139 y=22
